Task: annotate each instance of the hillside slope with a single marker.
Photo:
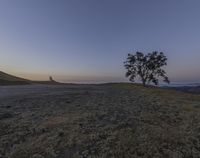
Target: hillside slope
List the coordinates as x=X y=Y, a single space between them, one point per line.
x=7 y=79
x=101 y=121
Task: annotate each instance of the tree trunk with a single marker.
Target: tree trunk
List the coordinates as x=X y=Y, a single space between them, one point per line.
x=144 y=83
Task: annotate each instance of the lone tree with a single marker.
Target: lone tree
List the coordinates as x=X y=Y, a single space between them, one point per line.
x=147 y=67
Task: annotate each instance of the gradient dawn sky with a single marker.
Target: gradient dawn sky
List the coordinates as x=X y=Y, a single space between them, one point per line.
x=88 y=40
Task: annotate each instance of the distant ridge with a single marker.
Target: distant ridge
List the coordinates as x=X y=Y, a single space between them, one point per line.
x=7 y=79
x=51 y=81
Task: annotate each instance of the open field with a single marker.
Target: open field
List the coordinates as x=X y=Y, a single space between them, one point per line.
x=98 y=121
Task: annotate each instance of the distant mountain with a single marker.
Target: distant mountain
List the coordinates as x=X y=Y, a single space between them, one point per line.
x=46 y=82
x=7 y=79
x=189 y=89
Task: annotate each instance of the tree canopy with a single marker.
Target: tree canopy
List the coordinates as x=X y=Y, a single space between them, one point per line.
x=149 y=67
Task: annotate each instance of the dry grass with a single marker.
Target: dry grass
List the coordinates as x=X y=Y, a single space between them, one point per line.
x=113 y=120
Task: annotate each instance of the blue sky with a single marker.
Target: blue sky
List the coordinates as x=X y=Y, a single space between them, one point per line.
x=88 y=40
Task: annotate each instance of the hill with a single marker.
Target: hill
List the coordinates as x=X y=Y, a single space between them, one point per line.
x=7 y=79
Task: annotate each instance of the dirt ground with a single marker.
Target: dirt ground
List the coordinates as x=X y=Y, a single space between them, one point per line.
x=98 y=121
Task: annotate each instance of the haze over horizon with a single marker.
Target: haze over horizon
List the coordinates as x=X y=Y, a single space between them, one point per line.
x=88 y=41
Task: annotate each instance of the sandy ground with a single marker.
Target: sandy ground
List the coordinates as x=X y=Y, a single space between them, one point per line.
x=114 y=120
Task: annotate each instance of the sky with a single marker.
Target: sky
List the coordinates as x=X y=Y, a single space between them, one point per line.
x=88 y=40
